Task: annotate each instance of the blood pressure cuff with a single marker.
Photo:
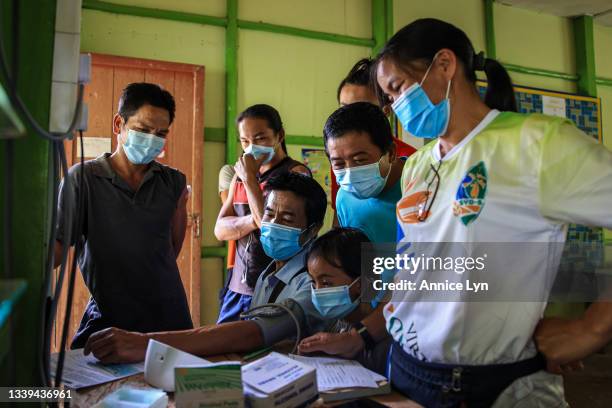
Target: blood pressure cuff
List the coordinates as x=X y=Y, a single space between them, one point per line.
x=276 y=323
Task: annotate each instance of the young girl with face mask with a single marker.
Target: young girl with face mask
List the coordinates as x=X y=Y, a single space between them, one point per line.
x=336 y=291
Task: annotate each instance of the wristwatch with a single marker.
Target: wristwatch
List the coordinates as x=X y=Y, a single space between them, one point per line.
x=365 y=335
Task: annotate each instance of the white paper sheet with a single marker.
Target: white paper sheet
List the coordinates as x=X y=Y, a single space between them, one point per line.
x=94 y=146
x=554 y=106
x=335 y=373
x=82 y=371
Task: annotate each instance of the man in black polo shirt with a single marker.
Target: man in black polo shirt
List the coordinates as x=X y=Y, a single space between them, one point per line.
x=133 y=225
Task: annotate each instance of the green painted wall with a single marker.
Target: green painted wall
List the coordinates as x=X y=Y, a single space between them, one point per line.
x=535 y=40
x=299 y=76
x=349 y=17
x=466 y=14
x=30 y=188
x=603 y=66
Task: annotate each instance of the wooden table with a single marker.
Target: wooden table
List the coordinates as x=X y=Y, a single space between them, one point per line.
x=88 y=397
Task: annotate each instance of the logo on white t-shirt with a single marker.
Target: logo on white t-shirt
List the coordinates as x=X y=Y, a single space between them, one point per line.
x=471 y=194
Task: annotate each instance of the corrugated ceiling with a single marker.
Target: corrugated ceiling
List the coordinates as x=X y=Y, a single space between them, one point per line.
x=600 y=9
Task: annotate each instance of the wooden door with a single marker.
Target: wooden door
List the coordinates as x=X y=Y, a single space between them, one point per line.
x=110 y=74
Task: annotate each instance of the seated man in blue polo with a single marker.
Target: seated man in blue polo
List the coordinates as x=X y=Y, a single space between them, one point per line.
x=360 y=147
x=294 y=213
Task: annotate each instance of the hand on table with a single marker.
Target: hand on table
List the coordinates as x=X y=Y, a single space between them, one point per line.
x=565 y=343
x=114 y=345
x=346 y=344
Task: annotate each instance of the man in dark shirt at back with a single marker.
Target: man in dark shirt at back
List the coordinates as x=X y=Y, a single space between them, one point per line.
x=133 y=223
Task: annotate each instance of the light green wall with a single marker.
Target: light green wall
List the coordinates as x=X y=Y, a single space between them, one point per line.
x=348 y=17
x=209 y=7
x=465 y=14
x=162 y=40
x=299 y=76
x=603 y=66
x=536 y=40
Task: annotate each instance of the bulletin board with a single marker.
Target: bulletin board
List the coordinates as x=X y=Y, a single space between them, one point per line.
x=318 y=163
x=584 y=111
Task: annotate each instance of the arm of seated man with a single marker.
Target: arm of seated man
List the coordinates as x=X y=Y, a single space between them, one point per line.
x=115 y=345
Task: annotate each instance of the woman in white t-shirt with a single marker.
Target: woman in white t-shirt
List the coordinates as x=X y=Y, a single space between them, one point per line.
x=494 y=179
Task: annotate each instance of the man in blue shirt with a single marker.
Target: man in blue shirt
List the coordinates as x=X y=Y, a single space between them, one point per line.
x=293 y=214
x=359 y=144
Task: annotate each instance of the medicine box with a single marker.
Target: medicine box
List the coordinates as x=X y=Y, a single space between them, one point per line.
x=217 y=385
x=279 y=381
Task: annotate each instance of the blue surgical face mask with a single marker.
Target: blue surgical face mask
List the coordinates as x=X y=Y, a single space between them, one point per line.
x=280 y=242
x=334 y=302
x=417 y=113
x=142 y=148
x=259 y=151
x=362 y=181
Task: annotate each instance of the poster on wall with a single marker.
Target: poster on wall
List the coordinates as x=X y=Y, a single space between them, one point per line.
x=316 y=160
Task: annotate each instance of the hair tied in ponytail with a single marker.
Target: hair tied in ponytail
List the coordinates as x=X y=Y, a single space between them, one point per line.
x=422 y=38
x=478 y=62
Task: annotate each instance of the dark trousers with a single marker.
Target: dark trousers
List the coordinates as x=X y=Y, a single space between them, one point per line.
x=436 y=385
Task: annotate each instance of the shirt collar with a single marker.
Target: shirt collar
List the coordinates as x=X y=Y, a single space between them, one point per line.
x=435 y=152
x=101 y=166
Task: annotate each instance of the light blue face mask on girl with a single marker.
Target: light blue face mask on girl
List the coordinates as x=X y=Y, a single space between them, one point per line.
x=280 y=242
x=417 y=113
x=334 y=302
x=259 y=151
x=142 y=148
x=362 y=181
